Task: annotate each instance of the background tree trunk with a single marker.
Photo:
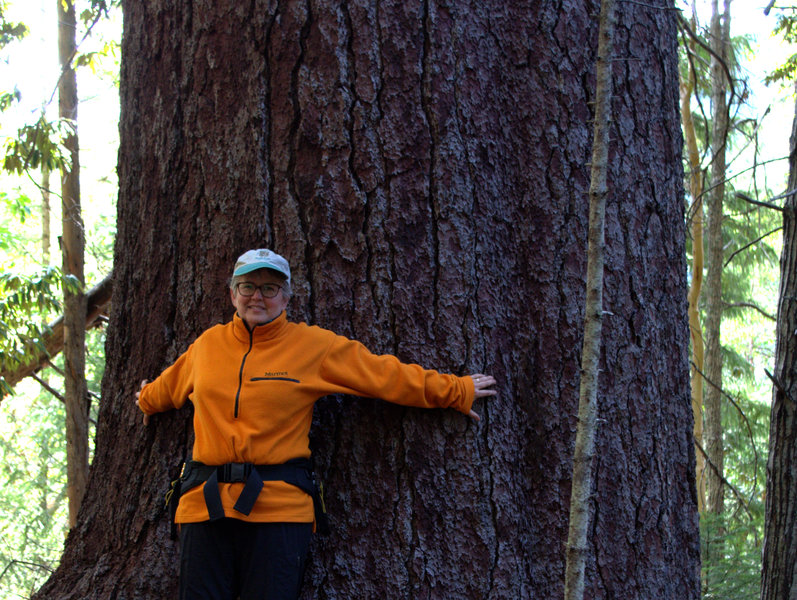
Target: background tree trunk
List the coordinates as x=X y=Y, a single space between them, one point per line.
x=46 y=215
x=695 y=223
x=712 y=421
x=423 y=166
x=72 y=243
x=779 y=570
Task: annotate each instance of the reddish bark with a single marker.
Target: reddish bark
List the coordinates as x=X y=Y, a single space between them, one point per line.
x=779 y=560
x=423 y=167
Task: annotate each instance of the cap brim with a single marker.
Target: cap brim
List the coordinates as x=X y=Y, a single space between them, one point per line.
x=255 y=266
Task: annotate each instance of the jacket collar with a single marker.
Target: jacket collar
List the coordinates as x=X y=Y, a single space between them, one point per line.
x=259 y=333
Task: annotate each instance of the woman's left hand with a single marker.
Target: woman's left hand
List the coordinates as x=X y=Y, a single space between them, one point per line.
x=482 y=384
x=144 y=382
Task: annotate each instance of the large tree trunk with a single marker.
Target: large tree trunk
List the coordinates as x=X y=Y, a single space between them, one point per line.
x=424 y=168
x=72 y=243
x=779 y=572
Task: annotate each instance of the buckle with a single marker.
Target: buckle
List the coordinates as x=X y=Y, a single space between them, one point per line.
x=235 y=472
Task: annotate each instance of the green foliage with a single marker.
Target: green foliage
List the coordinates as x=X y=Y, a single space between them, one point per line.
x=786 y=27
x=24 y=302
x=9 y=32
x=99 y=243
x=749 y=232
x=33 y=502
x=731 y=541
x=784 y=74
x=95 y=60
x=18 y=207
x=33 y=477
x=731 y=555
x=8 y=98
x=38 y=146
x=694 y=52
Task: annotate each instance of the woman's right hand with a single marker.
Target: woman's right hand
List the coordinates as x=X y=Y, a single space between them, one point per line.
x=482 y=387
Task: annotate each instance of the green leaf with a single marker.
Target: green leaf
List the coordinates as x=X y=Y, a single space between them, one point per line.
x=37 y=145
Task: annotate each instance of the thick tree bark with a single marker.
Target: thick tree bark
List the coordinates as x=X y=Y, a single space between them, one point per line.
x=779 y=570
x=72 y=242
x=423 y=166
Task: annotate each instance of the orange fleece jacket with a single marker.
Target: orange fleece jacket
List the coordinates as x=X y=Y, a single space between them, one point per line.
x=253 y=395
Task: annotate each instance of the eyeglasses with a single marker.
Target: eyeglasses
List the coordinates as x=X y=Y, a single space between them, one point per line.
x=269 y=290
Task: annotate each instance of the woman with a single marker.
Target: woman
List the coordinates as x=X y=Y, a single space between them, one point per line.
x=246 y=512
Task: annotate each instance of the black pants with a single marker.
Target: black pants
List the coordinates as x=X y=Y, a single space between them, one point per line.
x=230 y=559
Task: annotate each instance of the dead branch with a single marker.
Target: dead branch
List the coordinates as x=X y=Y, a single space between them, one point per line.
x=741 y=413
x=753 y=243
x=750 y=305
x=737 y=493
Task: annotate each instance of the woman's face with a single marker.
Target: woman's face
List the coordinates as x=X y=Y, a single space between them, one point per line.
x=257 y=309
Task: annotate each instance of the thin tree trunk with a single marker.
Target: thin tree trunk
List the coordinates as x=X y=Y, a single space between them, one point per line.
x=46 y=233
x=583 y=457
x=695 y=221
x=712 y=435
x=46 y=214
x=72 y=243
x=779 y=567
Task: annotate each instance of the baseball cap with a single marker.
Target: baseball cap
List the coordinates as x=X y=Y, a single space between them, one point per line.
x=261 y=259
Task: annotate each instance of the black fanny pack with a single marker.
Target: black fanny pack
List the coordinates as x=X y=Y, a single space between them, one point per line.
x=297 y=472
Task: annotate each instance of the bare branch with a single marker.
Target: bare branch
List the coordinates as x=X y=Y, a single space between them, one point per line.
x=785 y=194
x=776 y=382
x=746 y=198
x=745 y=503
x=753 y=243
x=24 y=563
x=750 y=305
x=744 y=419
x=688 y=29
x=584 y=450
x=735 y=175
x=49 y=388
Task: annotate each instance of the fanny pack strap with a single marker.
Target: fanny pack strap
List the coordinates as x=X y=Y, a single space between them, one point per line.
x=297 y=472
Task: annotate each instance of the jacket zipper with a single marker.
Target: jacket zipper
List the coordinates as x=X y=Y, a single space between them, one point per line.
x=241 y=374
